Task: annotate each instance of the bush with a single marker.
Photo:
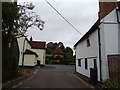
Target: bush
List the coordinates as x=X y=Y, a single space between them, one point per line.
x=111 y=84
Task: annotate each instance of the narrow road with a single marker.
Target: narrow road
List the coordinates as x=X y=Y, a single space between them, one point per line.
x=54 y=76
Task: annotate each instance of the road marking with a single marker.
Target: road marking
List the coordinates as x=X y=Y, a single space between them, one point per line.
x=85 y=83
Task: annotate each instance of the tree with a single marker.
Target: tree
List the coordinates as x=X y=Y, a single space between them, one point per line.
x=68 y=52
x=48 y=49
x=28 y=18
x=68 y=49
x=52 y=46
x=15 y=18
x=9 y=21
x=69 y=55
x=61 y=46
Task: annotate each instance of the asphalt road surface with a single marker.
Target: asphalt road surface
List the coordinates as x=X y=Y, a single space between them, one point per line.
x=54 y=76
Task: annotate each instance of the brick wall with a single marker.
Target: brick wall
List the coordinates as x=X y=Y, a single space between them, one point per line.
x=114 y=67
x=106 y=8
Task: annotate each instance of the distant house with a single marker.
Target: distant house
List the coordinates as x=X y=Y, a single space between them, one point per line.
x=57 y=55
x=31 y=52
x=101 y=41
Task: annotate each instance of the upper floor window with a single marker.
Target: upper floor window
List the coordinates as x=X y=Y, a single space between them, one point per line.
x=88 y=42
x=79 y=62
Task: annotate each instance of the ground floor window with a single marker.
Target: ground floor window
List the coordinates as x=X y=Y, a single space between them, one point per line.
x=95 y=63
x=86 y=66
x=79 y=62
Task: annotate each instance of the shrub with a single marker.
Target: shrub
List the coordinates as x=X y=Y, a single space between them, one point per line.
x=111 y=84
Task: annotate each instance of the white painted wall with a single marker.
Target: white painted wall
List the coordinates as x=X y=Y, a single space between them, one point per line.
x=111 y=38
x=104 y=63
x=119 y=35
x=109 y=32
x=30 y=60
x=110 y=44
x=82 y=51
x=81 y=69
x=111 y=17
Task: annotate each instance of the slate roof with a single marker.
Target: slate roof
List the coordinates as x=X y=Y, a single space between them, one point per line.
x=58 y=51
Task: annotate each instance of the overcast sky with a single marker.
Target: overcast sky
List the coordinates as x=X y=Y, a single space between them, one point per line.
x=81 y=15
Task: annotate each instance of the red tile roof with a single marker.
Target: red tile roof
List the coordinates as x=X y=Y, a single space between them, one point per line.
x=29 y=52
x=58 y=51
x=37 y=44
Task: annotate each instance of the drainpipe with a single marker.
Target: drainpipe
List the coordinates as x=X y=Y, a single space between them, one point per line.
x=100 y=61
x=74 y=48
x=23 y=53
x=117 y=14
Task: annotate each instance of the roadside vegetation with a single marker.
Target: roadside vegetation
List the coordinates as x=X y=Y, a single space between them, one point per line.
x=68 y=59
x=111 y=84
x=16 y=19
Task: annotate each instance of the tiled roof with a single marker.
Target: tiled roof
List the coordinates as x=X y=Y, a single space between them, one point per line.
x=29 y=52
x=58 y=51
x=37 y=44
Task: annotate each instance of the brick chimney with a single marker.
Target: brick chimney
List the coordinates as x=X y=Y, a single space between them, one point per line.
x=105 y=8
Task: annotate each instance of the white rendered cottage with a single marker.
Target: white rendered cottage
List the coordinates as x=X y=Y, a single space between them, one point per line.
x=40 y=48
x=31 y=51
x=101 y=40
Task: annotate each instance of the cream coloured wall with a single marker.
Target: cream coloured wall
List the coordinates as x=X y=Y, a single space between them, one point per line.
x=20 y=44
x=30 y=60
x=40 y=52
x=41 y=55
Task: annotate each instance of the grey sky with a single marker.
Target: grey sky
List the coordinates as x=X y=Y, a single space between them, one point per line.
x=81 y=14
